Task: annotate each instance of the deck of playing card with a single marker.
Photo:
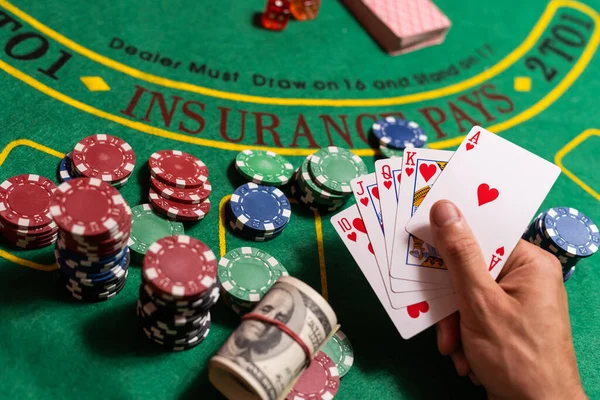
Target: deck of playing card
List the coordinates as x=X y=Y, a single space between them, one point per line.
x=401 y=26
x=387 y=231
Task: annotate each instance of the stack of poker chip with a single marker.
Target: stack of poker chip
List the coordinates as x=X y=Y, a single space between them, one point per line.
x=147 y=227
x=179 y=286
x=91 y=251
x=258 y=212
x=323 y=180
x=566 y=233
x=245 y=275
x=25 y=217
x=101 y=156
x=396 y=134
x=179 y=186
x=264 y=167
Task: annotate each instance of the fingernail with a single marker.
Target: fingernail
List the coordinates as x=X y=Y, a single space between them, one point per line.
x=444 y=213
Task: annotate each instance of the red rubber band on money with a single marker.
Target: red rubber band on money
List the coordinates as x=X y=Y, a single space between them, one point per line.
x=284 y=328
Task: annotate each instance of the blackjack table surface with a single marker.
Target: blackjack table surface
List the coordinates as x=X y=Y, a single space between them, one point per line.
x=205 y=78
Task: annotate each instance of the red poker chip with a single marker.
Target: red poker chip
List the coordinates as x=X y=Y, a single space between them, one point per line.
x=178 y=169
x=34 y=245
x=321 y=380
x=179 y=211
x=25 y=201
x=105 y=157
x=187 y=196
x=13 y=237
x=39 y=231
x=180 y=266
x=88 y=207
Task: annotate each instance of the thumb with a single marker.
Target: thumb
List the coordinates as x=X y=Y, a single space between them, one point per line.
x=460 y=250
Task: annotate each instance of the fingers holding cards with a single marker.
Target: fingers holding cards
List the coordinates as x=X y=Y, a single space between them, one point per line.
x=409 y=320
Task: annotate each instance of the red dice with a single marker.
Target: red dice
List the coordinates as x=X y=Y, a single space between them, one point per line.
x=276 y=15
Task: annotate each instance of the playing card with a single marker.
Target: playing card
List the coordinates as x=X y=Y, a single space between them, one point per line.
x=412 y=258
x=388 y=173
x=366 y=194
x=408 y=320
x=497 y=185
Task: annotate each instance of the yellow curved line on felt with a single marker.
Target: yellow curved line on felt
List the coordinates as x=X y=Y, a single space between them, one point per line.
x=319 y=236
x=570 y=147
x=3 y=155
x=505 y=63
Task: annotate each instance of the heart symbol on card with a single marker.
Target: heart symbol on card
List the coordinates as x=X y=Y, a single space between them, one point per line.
x=376 y=193
x=370 y=247
x=364 y=201
x=500 y=251
x=358 y=224
x=409 y=171
x=485 y=194
x=427 y=171
x=352 y=236
x=470 y=146
x=399 y=177
x=416 y=309
x=387 y=184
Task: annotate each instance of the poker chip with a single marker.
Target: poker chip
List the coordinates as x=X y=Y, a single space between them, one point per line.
x=187 y=196
x=333 y=168
x=93 y=222
x=319 y=381
x=180 y=266
x=65 y=167
x=179 y=186
x=573 y=232
x=313 y=203
x=264 y=167
x=400 y=134
x=179 y=286
x=178 y=169
x=246 y=274
x=389 y=152
x=566 y=233
x=178 y=211
x=87 y=206
x=263 y=209
x=25 y=201
x=569 y=274
x=105 y=157
x=339 y=349
x=147 y=227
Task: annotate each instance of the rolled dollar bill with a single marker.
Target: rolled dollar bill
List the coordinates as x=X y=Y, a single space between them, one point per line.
x=266 y=354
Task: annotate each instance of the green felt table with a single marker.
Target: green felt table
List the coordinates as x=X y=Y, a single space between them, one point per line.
x=204 y=78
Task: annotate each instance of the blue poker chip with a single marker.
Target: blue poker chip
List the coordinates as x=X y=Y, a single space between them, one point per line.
x=115 y=273
x=572 y=232
x=569 y=274
x=87 y=261
x=399 y=134
x=65 y=167
x=248 y=232
x=264 y=209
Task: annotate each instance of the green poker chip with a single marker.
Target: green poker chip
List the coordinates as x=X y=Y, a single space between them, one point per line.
x=147 y=227
x=246 y=274
x=391 y=153
x=339 y=349
x=264 y=167
x=333 y=168
x=312 y=190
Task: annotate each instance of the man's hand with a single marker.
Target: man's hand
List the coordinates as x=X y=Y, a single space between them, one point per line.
x=513 y=337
